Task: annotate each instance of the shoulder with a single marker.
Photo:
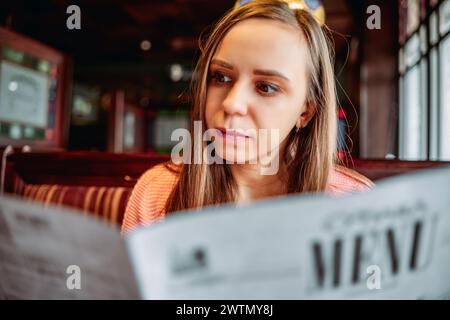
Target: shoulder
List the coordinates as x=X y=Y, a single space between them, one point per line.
x=149 y=196
x=156 y=183
x=343 y=180
x=161 y=174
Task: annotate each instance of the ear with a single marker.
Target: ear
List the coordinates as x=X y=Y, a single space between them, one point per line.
x=306 y=116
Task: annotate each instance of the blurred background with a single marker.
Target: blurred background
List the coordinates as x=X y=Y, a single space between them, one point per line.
x=119 y=83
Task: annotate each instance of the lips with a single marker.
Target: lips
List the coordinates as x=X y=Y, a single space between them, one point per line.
x=232 y=133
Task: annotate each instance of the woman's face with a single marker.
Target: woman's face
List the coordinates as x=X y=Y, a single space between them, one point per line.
x=257 y=80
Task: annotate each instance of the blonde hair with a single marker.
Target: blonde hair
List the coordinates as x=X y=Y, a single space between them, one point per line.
x=309 y=154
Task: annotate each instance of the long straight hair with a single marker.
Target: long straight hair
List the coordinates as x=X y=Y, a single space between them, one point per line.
x=309 y=154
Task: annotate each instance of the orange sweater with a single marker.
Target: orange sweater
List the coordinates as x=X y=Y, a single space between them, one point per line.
x=148 y=198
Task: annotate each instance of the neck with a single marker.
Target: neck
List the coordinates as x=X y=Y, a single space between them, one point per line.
x=253 y=185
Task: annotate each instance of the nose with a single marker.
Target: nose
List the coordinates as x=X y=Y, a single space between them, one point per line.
x=236 y=100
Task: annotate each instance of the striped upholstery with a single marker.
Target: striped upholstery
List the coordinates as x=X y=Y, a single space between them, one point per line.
x=97 y=183
x=106 y=202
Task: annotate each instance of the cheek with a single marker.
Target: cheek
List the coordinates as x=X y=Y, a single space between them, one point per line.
x=281 y=114
x=281 y=126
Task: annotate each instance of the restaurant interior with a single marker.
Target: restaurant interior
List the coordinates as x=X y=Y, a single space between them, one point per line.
x=86 y=109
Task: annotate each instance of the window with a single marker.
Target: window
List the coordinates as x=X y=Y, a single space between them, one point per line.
x=424 y=80
x=444 y=145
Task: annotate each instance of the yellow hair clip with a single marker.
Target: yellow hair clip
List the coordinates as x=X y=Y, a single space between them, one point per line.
x=313 y=6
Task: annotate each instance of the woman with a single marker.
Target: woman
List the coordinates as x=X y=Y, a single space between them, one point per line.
x=263 y=67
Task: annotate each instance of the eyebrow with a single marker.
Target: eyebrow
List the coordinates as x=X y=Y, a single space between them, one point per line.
x=271 y=73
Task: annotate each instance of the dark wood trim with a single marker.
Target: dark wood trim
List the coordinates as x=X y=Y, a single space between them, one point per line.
x=380 y=169
x=123 y=170
x=80 y=168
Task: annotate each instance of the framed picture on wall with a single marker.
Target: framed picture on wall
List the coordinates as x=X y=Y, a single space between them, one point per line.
x=34 y=87
x=23 y=95
x=164 y=125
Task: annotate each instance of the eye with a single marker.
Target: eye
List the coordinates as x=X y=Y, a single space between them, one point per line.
x=267 y=88
x=220 y=78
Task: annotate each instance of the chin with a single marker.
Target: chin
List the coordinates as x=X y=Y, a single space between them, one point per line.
x=233 y=154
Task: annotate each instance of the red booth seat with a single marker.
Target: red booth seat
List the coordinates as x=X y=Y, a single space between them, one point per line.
x=97 y=183
x=108 y=203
